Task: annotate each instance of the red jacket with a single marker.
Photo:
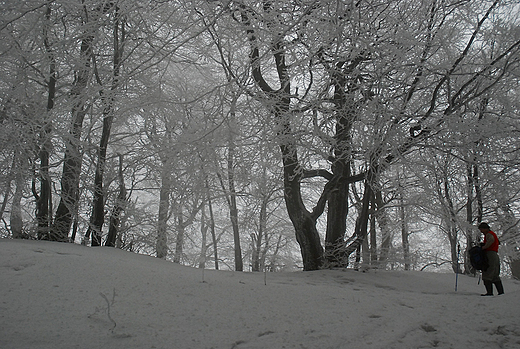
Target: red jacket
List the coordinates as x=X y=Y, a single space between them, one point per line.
x=494 y=245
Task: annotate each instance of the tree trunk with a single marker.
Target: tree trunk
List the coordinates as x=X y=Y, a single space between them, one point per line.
x=405 y=239
x=115 y=217
x=373 y=236
x=203 y=244
x=15 y=218
x=386 y=236
x=7 y=191
x=255 y=255
x=336 y=225
x=179 y=241
x=338 y=198
x=361 y=232
x=233 y=210
x=451 y=221
x=75 y=225
x=468 y=268
x=257 y=241
x=509 y=238
x=404 y=231
x=161 y=246
x=98 y=208
x=279 y=100
x=365 y=253
x=478 y=194
x=303 y=222
x=212 y=228
x=67 y=207
x=44 y=199
x=515 y=268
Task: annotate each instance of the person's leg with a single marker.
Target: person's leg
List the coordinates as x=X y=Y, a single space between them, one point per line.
x=489 y=288
x=499 y=286
x=493 y=272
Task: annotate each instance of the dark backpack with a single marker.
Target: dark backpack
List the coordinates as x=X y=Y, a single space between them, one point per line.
x=477 y=258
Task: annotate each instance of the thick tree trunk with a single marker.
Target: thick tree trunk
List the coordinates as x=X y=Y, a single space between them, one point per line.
x=304 y=222
x=338 y=198
x=336 y=225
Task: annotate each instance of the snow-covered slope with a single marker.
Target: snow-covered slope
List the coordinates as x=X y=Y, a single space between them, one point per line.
x=56 y=295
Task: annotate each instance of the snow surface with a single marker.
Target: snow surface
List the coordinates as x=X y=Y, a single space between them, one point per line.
x=57 y=295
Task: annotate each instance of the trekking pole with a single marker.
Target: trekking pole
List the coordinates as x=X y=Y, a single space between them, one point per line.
x=457 y=272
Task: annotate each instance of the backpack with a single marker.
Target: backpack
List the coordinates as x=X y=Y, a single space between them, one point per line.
x=477 y=258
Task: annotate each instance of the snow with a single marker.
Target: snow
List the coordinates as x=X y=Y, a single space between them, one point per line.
x=57 y=295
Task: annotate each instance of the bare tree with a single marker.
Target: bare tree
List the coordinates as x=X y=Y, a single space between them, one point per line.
x=70 y=178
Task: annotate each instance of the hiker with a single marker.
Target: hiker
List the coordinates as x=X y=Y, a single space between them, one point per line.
x=490 y=248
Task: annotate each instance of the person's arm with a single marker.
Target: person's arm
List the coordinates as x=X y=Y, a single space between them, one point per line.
x=489 y=241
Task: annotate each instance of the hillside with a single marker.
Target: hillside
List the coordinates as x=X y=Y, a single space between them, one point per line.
x=56 y=295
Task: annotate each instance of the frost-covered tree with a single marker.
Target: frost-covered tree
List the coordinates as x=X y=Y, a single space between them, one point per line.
x=356 y=85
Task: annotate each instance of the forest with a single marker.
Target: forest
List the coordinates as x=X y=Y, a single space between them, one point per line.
x=263 y=135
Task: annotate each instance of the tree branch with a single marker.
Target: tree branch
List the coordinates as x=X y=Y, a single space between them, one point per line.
x=254 y=54
x=455 y=64
x=317 y=173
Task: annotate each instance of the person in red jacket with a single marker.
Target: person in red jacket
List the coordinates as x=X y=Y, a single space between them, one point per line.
x=490 y=248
